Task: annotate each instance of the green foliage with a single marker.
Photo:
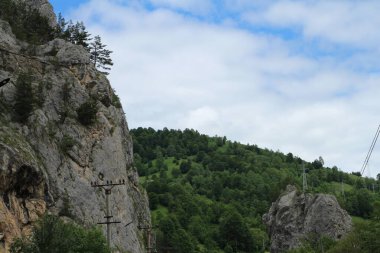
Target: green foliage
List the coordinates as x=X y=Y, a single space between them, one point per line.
x=185 y=166
x=87 y=112
x=52 y=235
x=235 y=233
x=66 y=207
x=39 y=97
x=78 y=35
x=26 y=23
x=23 y=98
x=363 y=239
x=99 y=55
x=116 y=100
x=4 y=106
x=74 y=33
x=30 y=26
x=217 y=190
x=67 y=143
x=314 y=243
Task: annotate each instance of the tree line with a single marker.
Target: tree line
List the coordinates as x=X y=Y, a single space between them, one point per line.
x=215 y=191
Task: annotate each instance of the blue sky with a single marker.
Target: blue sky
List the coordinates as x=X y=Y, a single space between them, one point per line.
x=294 y=76
x=65 y=6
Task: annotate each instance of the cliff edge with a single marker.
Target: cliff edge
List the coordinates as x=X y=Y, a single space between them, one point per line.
x=48 y=161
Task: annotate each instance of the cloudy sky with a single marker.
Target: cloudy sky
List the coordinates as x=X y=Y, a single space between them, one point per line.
x=294 y=76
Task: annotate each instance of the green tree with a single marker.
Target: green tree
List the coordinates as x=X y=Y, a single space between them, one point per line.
x=78 y=34
x=99 y=55
x=61 y=30
x=185 y=166
x=363 y=239
x=27 y=23
x=182 y=242
x=234 y=232
x=23 y=98
x=52 y=235
x=87 y=112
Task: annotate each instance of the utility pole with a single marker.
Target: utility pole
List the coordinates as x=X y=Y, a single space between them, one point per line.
x=144 y=224
x=304 y=180
x=107 y=187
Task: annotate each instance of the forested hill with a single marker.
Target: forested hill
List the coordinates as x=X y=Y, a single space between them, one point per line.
x=208 y=194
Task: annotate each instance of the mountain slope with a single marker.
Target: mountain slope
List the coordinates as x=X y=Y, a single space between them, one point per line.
x=215 y=191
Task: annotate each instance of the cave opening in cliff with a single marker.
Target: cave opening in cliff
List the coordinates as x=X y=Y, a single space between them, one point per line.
x=26 y=179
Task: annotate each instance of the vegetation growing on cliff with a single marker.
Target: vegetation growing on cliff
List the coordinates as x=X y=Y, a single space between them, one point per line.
x=24 y=101
x=30 y=26
x=215 y=191
x=53 y=235
x=27 y=23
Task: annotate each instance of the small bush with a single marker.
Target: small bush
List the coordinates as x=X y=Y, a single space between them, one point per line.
x=4 y=107
x=66 y=207
x=40 y=97
x=67 y=143
x=116 y=101
x=23 y=98
x=106 y=101
x=87 y=113
x=51 y=234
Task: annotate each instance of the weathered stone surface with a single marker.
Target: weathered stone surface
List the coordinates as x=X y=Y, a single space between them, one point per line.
x=7 y=39
x=45 y=8
x=294 y=216
x=37 y=173
x=22 y=189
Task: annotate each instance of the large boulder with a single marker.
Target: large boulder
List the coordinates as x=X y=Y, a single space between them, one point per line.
x=294 y=216
x=45 y=8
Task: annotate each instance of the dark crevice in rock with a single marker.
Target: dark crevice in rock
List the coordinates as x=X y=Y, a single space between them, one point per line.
x=48 y=197
x=6 y=200
x=26 y=179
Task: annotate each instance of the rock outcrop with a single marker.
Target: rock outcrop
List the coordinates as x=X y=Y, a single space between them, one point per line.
x=47 y=164
x=45 y=8
x=296 y=215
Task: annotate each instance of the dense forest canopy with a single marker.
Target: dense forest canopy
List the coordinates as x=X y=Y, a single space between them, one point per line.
x=212 y=192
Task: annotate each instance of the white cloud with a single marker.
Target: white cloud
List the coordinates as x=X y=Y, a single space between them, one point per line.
x=192 y=6
x=202 y=119
x=174 y=71
x=349 y=22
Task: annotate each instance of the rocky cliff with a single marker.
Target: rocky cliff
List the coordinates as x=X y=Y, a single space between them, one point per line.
x=45 y=8
x=47 y=163
x=294 y=216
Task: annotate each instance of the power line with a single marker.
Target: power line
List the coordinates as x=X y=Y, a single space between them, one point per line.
x=370 y=151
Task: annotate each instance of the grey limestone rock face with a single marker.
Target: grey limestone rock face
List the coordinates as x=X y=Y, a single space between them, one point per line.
x=7 y=39
x=45 y=8
x=61 y=155
x=294 y=216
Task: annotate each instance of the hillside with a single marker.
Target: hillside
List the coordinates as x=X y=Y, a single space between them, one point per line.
x=208 y=194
